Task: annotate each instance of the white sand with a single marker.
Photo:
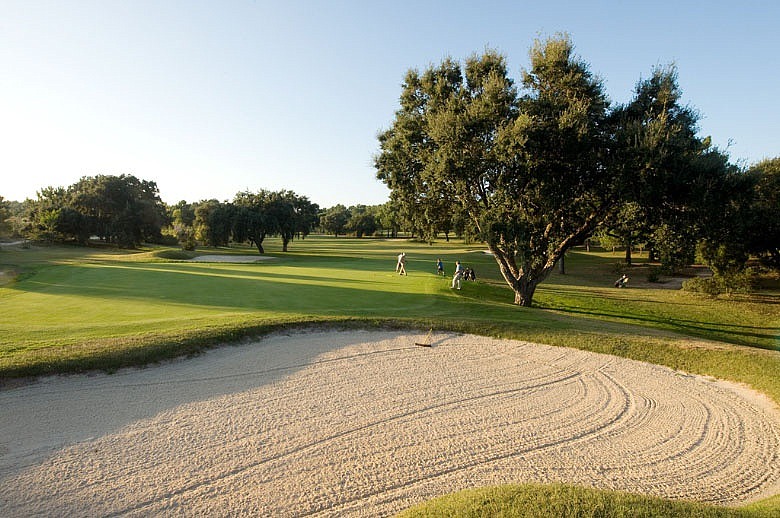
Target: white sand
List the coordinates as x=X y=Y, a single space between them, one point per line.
x=366 y=423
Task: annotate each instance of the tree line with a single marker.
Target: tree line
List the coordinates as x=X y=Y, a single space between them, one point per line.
x=536 y=168
x=126 y=212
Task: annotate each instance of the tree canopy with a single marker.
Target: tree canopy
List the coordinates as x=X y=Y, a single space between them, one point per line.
x=535 y=169
x=529 y=170
x=122 y=210
x=763 y=237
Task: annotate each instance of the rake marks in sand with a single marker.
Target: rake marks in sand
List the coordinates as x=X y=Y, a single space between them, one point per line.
x=371 y=424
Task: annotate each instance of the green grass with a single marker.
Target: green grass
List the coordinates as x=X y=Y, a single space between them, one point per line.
x=74 y=309
x=562 y=501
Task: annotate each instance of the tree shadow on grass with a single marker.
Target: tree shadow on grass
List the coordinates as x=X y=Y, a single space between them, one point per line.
x=119 y=289
x=733 y=333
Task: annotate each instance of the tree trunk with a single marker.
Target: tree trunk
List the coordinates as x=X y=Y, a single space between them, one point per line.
x=628 y=255
x=524 y=293
x=562 y=265
x=260 y=248
x=522 y=282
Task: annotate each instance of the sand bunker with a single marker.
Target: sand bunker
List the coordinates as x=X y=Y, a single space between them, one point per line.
x=366 y=423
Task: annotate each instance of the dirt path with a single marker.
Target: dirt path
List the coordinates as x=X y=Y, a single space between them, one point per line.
x=367 y=423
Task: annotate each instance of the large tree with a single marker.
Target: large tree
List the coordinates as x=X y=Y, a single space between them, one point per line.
x=266 y=213
x=530 y=171
x=362 y=220
x=764 y=238
x=119 y=209
x=251 y=222
x=5 y=213
x=334 y=220
x=660 y=158
x=213 y=221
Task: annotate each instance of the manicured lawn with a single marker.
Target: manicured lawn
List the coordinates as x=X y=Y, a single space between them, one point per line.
x=73 y=309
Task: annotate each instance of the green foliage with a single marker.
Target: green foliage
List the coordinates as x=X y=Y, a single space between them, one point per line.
x=706 y=286
x=729 y=283
x=676 y=188
x=121 y=210
x=653 y=274
x=334 y=220
x=213 y=222
x=5 y=214
x=763 y=233
x=536 y=171
x=524 y=170
x=183 y=212
x=624 y=228
x=185 y=236
x=675 y=245
x=361 y=221
x=725 y=258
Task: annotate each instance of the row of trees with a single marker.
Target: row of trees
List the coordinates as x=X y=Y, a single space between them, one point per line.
x=125 y=211
x=250 y=217
x=537 y=170
x=387 y=219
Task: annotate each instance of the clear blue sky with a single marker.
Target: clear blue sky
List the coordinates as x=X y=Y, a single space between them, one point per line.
x=208 y=98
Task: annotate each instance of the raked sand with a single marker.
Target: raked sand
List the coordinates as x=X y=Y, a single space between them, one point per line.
x=366 y=423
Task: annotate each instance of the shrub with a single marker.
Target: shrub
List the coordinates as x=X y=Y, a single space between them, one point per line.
x=706 y=286
x=739 y=282
x=654 y=274
x=731 y=283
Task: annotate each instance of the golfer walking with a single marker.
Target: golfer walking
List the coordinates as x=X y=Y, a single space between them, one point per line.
x=401 y=266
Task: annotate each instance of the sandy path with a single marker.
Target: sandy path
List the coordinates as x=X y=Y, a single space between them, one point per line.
x=365 y=424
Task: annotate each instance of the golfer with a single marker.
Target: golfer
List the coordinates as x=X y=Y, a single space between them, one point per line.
x=401 y=266
x=458 y=275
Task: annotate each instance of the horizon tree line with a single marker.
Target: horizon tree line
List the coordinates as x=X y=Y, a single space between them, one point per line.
x=126 y=212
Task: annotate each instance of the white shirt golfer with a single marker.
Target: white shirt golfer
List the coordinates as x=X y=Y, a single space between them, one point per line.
x=458 y=275
x=401 y=266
